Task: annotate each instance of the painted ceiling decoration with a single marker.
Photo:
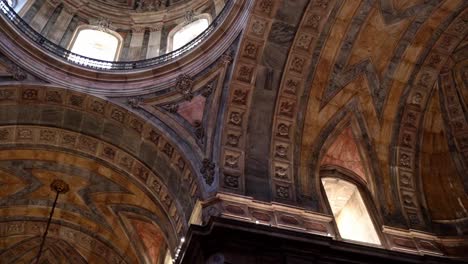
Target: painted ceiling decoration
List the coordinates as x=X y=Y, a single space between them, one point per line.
x=244 y=126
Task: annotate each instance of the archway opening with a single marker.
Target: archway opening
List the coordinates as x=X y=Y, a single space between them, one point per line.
x=350 y=212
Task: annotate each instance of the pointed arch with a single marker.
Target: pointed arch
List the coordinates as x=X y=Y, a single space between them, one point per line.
x=349 y=117
x=346 y=178
x=348 y=199
x=344 y=152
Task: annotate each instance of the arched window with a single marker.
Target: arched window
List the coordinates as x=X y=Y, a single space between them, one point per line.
x=96 y=44
x=183 y=35
x=350 y=212
x=11 y=3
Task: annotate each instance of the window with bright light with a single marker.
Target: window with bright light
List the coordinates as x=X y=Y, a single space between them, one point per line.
x=188 y=32
x=94 y=44
x=350 y=212
x=11 y=3
x=168 y=257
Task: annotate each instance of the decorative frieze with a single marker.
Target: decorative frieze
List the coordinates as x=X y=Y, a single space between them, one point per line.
x=299 y=58
x=277 y=215
x=243 y=83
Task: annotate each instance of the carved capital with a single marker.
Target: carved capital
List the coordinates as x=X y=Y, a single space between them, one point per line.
x=156 y=27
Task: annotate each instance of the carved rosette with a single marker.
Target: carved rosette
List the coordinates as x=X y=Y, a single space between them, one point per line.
x=242 y=85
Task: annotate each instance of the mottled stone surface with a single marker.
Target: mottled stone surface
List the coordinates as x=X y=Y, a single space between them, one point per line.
x=344 y=152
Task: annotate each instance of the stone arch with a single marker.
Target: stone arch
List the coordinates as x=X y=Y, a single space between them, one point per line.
x=46 y=118
x=407 y=138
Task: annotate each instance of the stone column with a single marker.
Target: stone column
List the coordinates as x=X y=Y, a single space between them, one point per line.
x=136 y=43
x=219 y=5
x=42 y=16
x=61 y=25
x=154 y=42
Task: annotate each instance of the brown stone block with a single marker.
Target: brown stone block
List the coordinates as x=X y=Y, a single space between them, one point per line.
x=290 y=220
x=246 y=73
x=282 y=191
x=55 y=96
x=8 y=95
x=75 y=100
x=233 y=160
x=235 y=209
x=251 y=49
x=240 y=95
x=286 y=108
x=26 y=134
x=284 y=129
x=404 y=70
x=405 y=159
x=281 y=149
x=447 y=43
x=31 y=95
x=236 y=116
x=262 y=216
x=405 y=178
x=281 y=171
x=403 y=242
x=418 y=97
x=97 y=106
x=407 y=138
x=258 y=27
x=233 y=138
x=7 y=134
x=117 y=114
x=459 y=27
x=291 y=86
x=314 y=21
x=305 y=42
x=266 y=8
x=435 y=60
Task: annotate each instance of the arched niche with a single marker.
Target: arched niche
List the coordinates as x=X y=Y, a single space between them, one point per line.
x=346 y=182
x=347 y=147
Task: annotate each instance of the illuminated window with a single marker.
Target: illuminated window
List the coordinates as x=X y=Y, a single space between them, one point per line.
x=188 y=32
x=95 y=44
x=11 y=3
x=168 y=257
x=351 y=215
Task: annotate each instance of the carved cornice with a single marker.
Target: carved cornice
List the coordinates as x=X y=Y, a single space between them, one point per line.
x=247 y=209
